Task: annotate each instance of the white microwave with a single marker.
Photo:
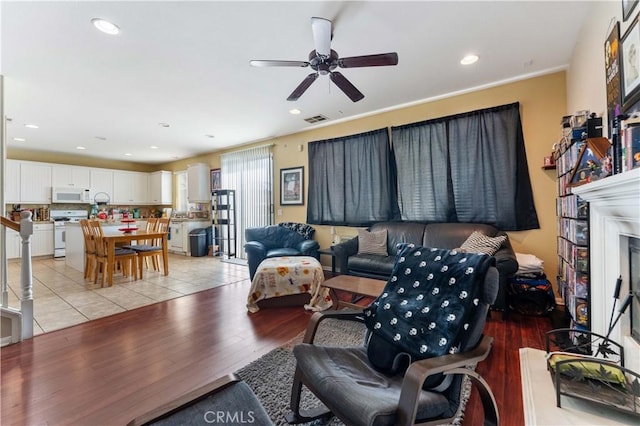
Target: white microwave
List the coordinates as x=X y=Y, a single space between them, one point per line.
x=70 y=195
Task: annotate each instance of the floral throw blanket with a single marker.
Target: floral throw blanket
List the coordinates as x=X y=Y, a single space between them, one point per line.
x=282 y=276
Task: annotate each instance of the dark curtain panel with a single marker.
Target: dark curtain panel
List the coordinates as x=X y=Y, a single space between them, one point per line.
x=484 y=178
x=422 y=171
x=350 y=180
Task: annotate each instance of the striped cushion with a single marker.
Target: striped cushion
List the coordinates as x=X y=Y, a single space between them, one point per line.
x=480 y=243
x=372 y=242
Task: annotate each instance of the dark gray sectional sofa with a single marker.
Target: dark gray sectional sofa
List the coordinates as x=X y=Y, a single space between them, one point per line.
x=440 y=235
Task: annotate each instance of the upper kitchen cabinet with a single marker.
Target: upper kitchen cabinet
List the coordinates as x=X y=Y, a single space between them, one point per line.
x=12 y=182
x=198 y=186
x=160 y=188
x=130 y=188
x=64 y=176
x=101 y=181
x=35 y=183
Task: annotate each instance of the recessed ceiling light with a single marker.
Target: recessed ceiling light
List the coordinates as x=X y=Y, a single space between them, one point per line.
x=153 y=147
x=80 y=147
x=128 y=154
x=31 y=126
x=101 y=138
x=210 y=136
x=163 y=124
x=294 y=111
x=19 y=139
x=105 y=26
x=469 y=59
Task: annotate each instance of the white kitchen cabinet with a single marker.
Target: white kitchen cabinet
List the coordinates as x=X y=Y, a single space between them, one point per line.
x=198 y=185
x=35 y=183
x=42 y=239
x=14 y=249
x=160 y=188
x=12 y=182
x=70 y=176
x=101 y=180
x=176 y=238
x=129 y=187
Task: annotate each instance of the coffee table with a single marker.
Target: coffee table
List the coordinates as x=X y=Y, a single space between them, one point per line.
x=357 y=286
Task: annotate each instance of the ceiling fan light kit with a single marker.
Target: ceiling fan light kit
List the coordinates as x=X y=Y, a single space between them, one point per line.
x=323 y=60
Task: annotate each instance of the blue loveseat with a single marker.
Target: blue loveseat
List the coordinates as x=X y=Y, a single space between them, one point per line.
x=284 y=239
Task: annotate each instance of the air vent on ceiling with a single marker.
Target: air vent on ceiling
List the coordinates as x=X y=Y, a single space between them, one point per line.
x=315 y=119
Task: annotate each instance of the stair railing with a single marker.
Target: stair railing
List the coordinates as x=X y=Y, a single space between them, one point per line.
x=25 y=228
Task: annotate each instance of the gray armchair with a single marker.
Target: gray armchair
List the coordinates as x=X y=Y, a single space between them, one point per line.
x=428 y=391
x=279 y=240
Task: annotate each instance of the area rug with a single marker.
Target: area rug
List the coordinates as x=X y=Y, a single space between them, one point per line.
x=271 y=376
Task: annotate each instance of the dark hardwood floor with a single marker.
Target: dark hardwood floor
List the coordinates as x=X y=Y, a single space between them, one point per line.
x=108 y=371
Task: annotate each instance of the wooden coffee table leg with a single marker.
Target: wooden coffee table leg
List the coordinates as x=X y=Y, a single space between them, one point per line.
x=334 y=298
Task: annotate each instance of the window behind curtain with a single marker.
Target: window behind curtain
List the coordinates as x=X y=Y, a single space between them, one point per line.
x=250 y=173
x=350 y=180
x=477 y=172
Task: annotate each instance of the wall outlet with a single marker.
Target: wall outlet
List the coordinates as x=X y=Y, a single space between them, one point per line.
x=279 y=212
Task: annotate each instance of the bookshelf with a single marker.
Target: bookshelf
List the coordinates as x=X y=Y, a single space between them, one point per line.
x=224 y=221
x=579 y=160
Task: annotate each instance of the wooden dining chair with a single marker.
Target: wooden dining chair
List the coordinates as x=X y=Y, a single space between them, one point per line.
x=127 y=259
x=152 y=249
x=89 y=249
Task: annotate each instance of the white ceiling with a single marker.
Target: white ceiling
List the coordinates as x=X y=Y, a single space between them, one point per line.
x=187 y=64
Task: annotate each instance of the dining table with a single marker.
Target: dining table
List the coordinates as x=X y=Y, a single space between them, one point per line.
x=128 y=238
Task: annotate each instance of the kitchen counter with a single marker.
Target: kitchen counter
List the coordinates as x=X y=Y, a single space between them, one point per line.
x=195 y=219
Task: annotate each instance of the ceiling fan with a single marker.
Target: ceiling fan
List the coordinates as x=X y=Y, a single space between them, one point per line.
x=323 y=60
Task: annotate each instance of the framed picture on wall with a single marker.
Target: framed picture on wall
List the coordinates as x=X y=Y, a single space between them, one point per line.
x=215 y=179
x=292 y=186
x=612 y=74
x=627 y=8
x=630 y=63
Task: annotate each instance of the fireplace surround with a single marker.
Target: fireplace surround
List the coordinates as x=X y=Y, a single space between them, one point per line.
x=614 y=209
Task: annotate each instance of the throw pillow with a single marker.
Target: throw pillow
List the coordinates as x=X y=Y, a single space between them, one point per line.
x=301 y=228
x=480 y=243
x=372 y=242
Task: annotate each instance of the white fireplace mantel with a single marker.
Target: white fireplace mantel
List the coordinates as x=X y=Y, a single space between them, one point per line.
x=614 y=216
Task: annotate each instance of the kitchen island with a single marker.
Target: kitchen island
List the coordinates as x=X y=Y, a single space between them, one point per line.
x=75 y=240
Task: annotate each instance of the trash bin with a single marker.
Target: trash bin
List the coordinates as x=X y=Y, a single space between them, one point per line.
x=198 y=242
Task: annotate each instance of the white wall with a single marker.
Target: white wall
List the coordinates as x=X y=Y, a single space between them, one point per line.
x=585 y=78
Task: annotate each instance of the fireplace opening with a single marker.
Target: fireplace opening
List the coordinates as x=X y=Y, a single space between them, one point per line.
x=634 y=285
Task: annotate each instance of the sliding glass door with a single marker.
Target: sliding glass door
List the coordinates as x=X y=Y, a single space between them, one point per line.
x=250 y=173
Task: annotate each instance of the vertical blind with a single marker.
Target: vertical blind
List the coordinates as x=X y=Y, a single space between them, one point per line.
x=250 y=173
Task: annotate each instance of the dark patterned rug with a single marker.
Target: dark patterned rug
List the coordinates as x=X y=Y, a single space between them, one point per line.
x=271 y=376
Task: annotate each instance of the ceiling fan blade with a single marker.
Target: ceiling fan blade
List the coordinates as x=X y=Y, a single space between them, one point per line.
x=321 y=28
x=378 y=60
x=345 y=85
x=260 y=63
x=302 y=87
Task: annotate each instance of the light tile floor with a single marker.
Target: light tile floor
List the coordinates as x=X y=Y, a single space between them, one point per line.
x=63 y=298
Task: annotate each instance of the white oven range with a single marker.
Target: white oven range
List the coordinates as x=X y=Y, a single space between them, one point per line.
x=60 y=219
